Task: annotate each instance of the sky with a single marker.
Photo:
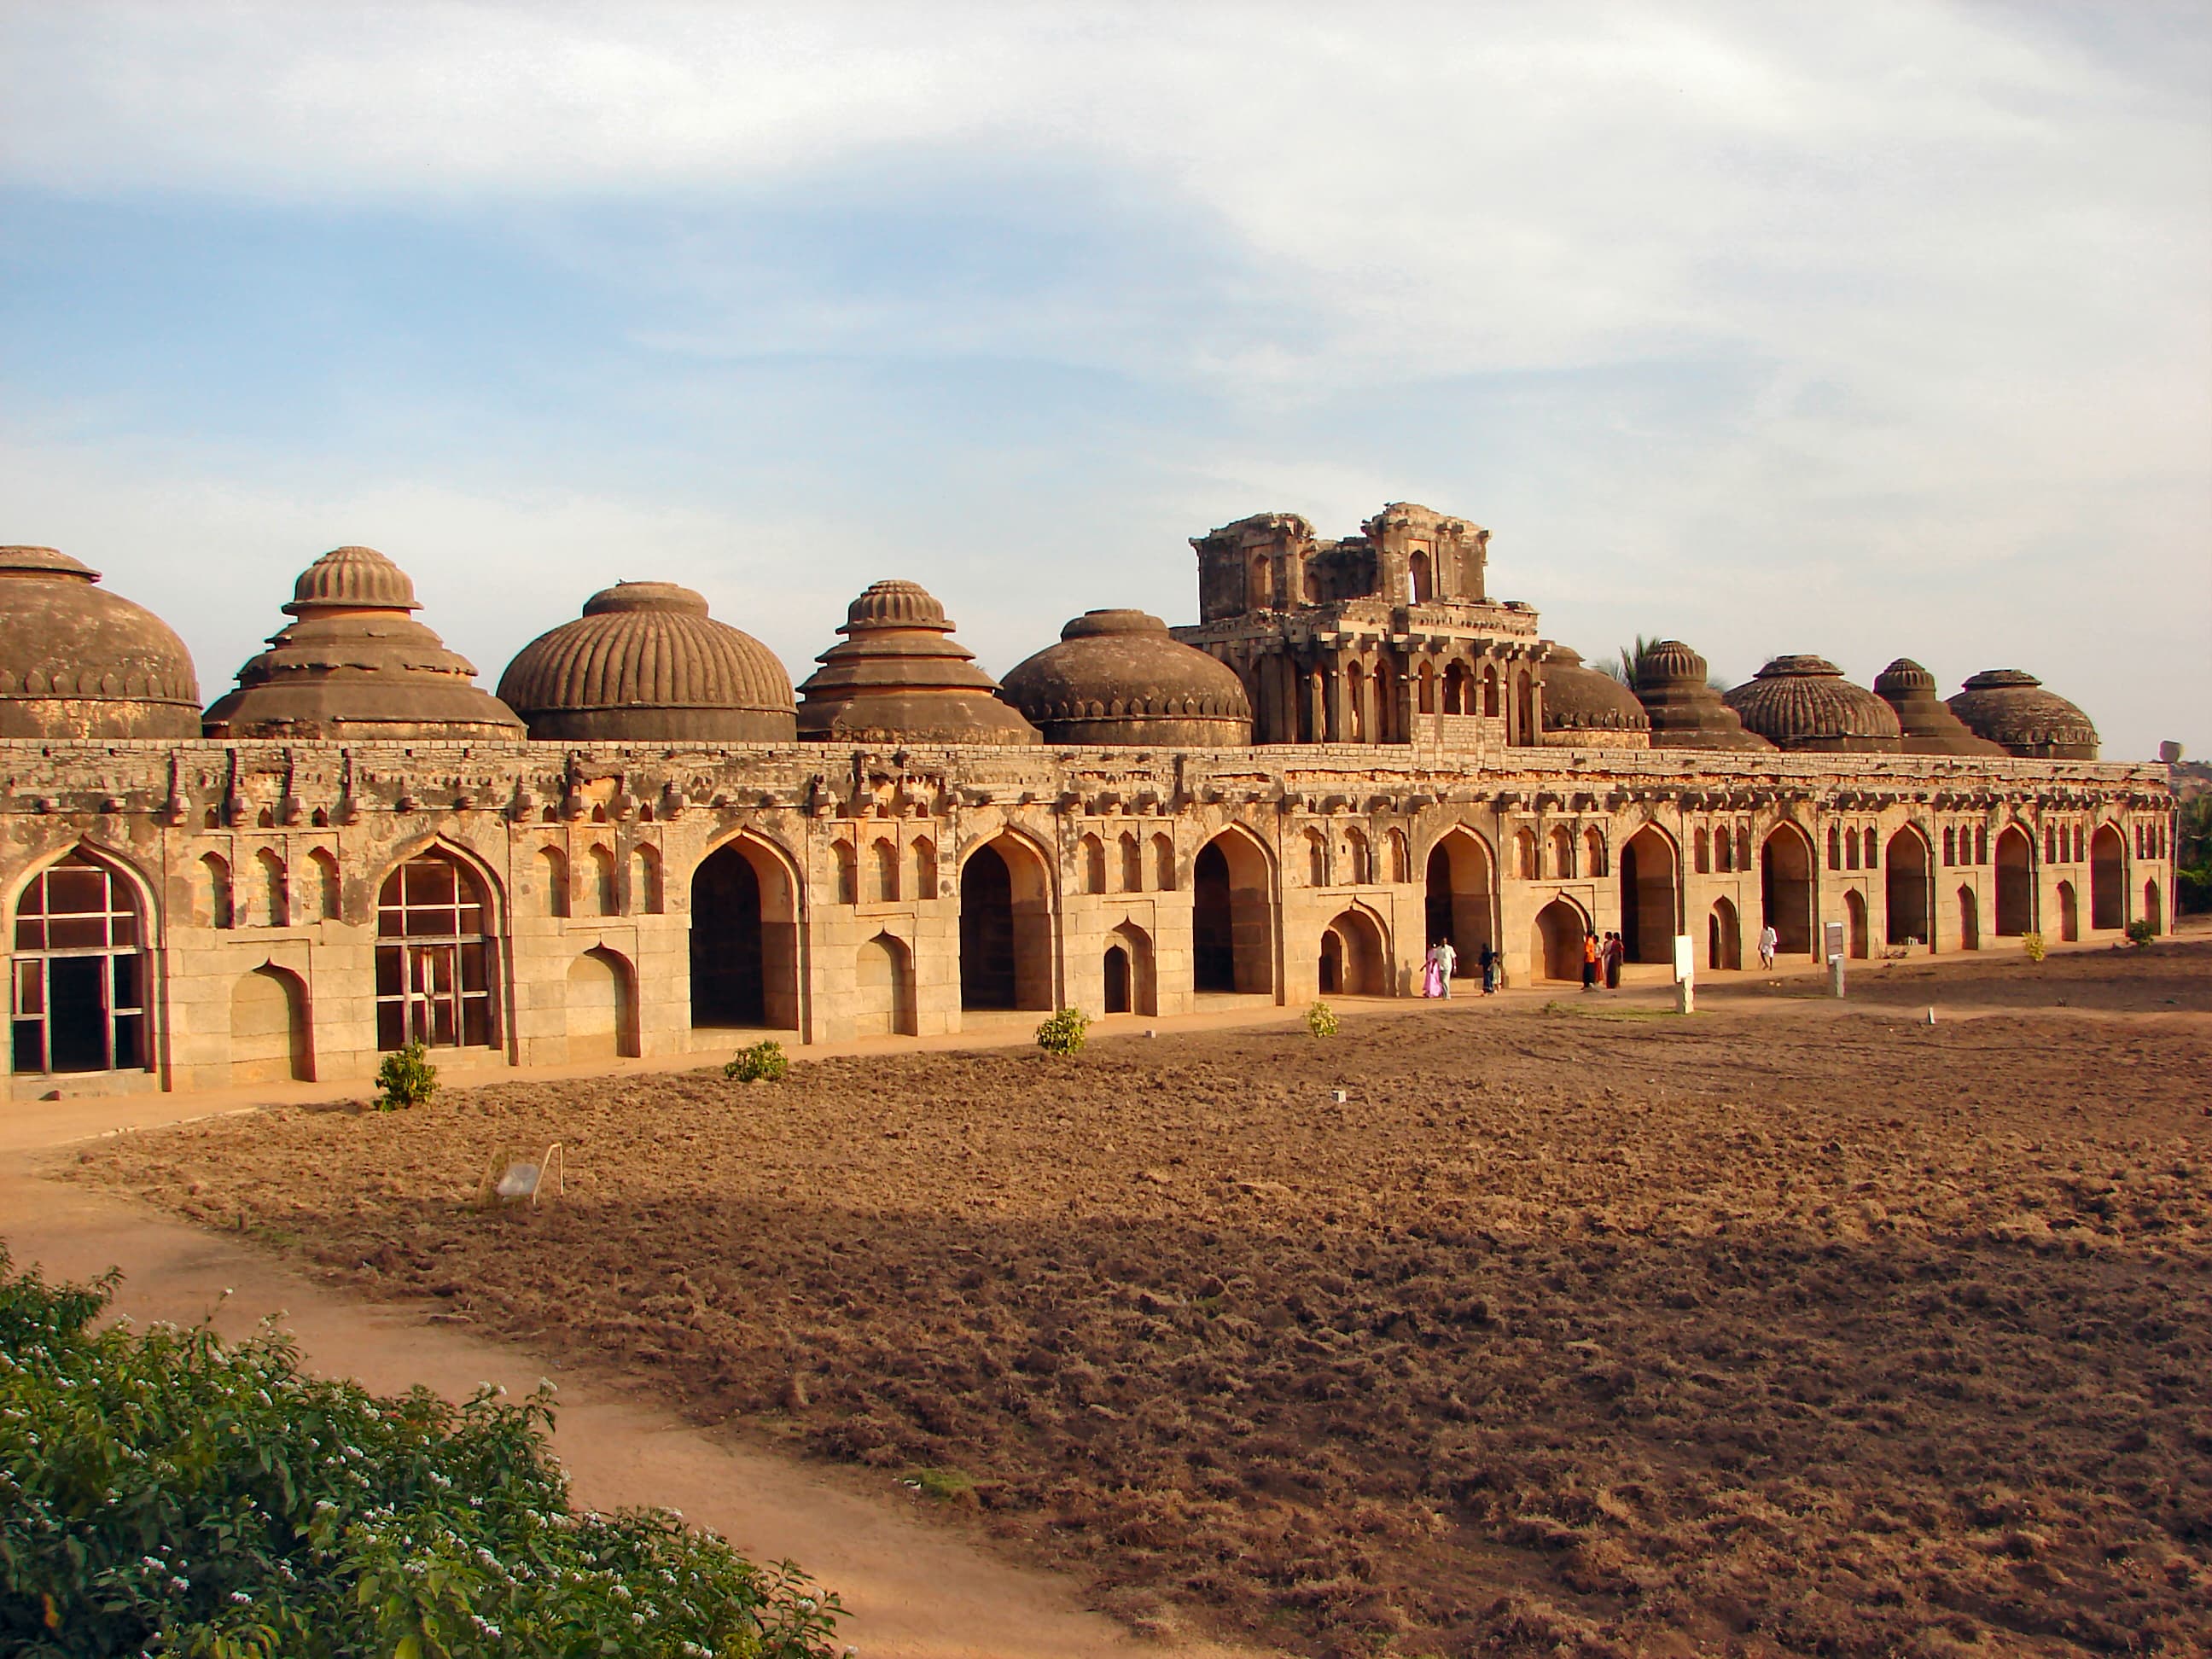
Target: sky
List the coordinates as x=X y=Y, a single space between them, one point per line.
x=1871 y=331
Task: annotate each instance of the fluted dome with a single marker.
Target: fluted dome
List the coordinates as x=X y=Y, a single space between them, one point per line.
x=1805 y=702
x=355 y=666
x=1584 y=708
x=898 y=676
x=1685 y=711
x=646 y=664
x=77 y=661
x=2011 y=708
x=1930 y=727
x=1117 y=676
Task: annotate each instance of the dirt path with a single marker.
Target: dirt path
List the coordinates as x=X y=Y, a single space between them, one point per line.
x=916 y=1588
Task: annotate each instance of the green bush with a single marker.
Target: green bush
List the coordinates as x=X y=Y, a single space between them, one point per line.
x=764 y=1062
x=2192 y=890
x=1061 y=1031
x=2142 y=932
x=174 y=1494
x=405 y=1079
x=2033 y=944
x=1321 y=1020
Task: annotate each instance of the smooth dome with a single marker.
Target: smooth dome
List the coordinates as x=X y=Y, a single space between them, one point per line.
x=899 y=677
x=1119 y=677
x=1685 y=711
x=1805 y=702
x=77 y=661
x=646 y=664
x=355 y=666
x=2011 y=707
x=1584 y=707
x=1929 y=726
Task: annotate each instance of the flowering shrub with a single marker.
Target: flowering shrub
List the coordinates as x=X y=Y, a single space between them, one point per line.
x=172 y=1494
x=1321 y=1020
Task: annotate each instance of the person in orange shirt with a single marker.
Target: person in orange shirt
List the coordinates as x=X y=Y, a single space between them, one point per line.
x=1589 y=961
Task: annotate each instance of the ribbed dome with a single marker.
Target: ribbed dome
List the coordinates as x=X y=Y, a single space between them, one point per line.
x=1930 y=727
x=898 y=677
x=77 y=661
x=646 y=664
x=1588 y=707
x=351 y=577
x=1686 y=712
x=1117 y=676
x=355 y=666
x=2011 y=708
x=1805 y=702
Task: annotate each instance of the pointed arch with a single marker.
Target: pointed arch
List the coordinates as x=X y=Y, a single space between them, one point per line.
x=883 y=986
x=747 y=901
x=1650 y=893
x=1006 y=917
x=437 y=957
x=1556 y=942
x=1723 y=937
x=552 y=873
x=923 y=856
x=1355 y=954
x=1460 y=900
x=2015 y=865
x=1128 y=972
x=1233 y=914
x=601 y=1005
x=1164 y=862
x=79 y=970
x=1786 y=865
x=270 y=1033
x=213 y=903
x=883 y=871
x=1132 y=863
x=273 y=898
x=1907 y=884
x=2108 y=895
x=329 y=887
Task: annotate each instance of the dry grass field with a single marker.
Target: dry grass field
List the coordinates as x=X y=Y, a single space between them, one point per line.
x=1781 y=1329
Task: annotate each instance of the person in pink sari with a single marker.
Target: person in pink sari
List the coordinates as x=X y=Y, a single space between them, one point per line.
x=1433 y=972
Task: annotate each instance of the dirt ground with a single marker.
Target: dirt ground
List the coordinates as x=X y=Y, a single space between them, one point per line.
x=1778 y=1329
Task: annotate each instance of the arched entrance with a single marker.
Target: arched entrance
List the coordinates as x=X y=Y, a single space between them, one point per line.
x=2154 y=909
x=2108 y=893
x=434 y=957
x=1355 y=957
x=1785 y=888
x=882 y=984
x=1905 y=889
x=602 y=1007
x=1462 y=899
x=1854 y=915
x=2015 y=883
x=1556 y=950
x=2070 y=912
x=745 y=939
x=1648 y=896
x=269 y=1040
x=1723 y=937
x=1130 y=989
x=1006 y=927
x=1232 y=930
x=80 y=971
x=1969 y=920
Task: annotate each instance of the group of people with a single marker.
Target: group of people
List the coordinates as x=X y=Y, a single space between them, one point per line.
x=1443 y=962
x=1602 y=956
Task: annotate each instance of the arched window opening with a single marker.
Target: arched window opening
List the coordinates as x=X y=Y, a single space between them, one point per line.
x=1133 y=863
x=1905 y=888
x=1704 y=851
x=1094 y=865
x=2015 y=883
x=1455 y=690
x=1524 y=710
x=1970 y=920
x=1423 y=579
x=269 y=1036
x=1524 y=843
x=1981 y=843
x=215 y=900
x=2107 y=880
x=883 y=864
x=1490 y=695
x=1870 y=849
x=275 y=891
x=1355 y=700
x=329 y=891
x=923 y=855
x=1401 y=857
x=1855 y=917
x=883 y=980
x=848 y=873
x=1163 y=864
x=434 y=957
x=607 y=900
x=80 y=972
x=1835 y=847
x=1593 y=851
x=1116 y=971
x=1424 y=681
x=1851 y=849
x=1563 y=855
x=2070 y=912
x=2050 y=843
x=553 y=872
x=645 y=880
x=1356 y=853
x=601 y=1007
x=1743 y=846
x=1950 y=846
x=1316 y=859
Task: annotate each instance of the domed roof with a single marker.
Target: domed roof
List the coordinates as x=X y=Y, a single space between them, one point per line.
x=1930 y=727
x=1117 y=676
x=1685 y=711
x=898 y=677
x=77 y=661
x=646 y=664
x=1805 y=702
x=1589 y=707
x=355 y=666
x=2011 y=708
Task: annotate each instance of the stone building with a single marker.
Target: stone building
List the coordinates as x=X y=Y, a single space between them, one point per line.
x=651 y=848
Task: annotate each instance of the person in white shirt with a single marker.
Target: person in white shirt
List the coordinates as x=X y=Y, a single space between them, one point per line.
x=1768 y=940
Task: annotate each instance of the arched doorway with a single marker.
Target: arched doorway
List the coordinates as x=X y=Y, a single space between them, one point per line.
x=2108 y=893
x=2070 y=912
x=1006 y=927
x=1557 y=948
x=1905 y=889
x=434 y=957
x=1723 y=937
x=745 y=939
x=1462 y=899
x=1854 y=916
x=1969 y=920
x=1128 y=971
x=602 y=1007
x=883 y=982
x=2015 y=883
x=269 y=1041
x=80 y=971
x=1648 y=896
x=1785 y=888
x=2154 y=909
x=1232 y=929
x=1355 y=957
